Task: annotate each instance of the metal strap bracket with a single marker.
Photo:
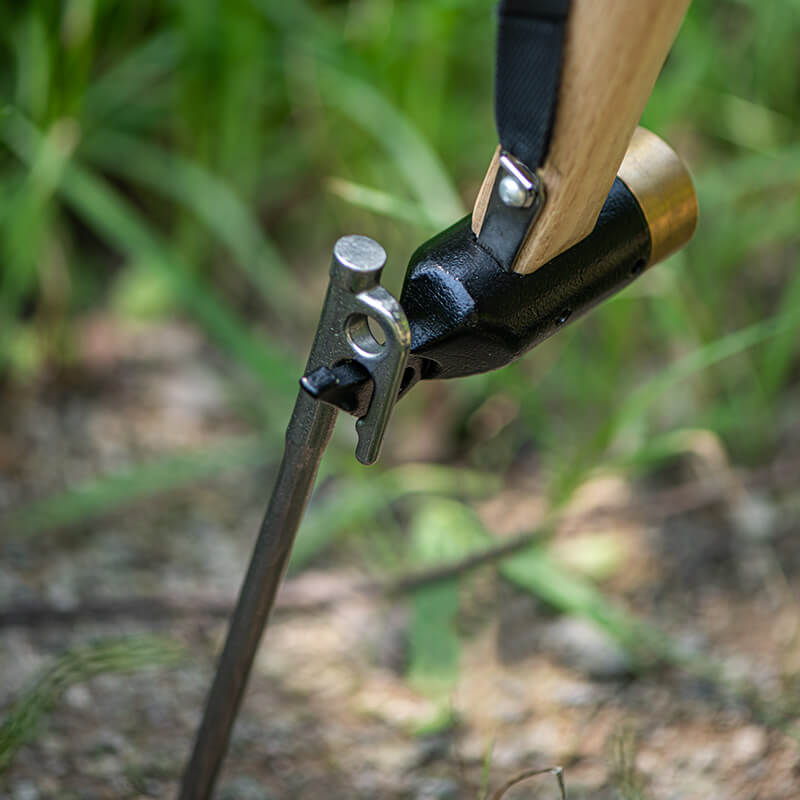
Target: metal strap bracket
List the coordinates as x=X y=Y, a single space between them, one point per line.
x=515 y=203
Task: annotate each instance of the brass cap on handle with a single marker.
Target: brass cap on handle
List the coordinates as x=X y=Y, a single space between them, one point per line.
x=662 y=186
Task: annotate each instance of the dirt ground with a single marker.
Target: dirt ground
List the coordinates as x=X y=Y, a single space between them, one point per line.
x=329 y=713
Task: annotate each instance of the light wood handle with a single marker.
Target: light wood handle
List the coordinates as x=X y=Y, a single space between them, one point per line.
x=614 y=52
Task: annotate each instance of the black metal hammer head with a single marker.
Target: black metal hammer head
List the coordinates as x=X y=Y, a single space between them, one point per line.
x=468 y=314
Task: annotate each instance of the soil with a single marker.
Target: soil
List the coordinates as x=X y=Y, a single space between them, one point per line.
x=329 y=713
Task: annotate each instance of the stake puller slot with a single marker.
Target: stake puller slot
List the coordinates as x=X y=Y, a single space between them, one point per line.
x=347 y=348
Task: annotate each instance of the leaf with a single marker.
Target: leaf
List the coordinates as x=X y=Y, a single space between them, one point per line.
x=434 y=644
x=441 y=530
x=536 y=571
x=356 y=502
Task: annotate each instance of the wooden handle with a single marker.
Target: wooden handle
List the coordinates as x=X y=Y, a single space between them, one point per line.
x=614 y=52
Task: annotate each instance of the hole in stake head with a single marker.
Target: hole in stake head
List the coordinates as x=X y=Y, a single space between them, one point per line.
x=365 y=334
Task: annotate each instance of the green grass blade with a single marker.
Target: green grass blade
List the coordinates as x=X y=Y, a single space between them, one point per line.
x=434 y=644
x=537 y=572
x=633 y=410
x=131 y=75
x=380 y=202
x=114 y=219
x=210 y=199
x=344 y=85
x=414 y=159
x=130 y=654
x=725 y=347
x=88 y=501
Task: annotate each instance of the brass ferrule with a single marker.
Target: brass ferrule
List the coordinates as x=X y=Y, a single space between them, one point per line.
x=662 y=186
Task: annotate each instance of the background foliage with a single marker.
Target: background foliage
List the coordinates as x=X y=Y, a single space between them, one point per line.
x=200 y=158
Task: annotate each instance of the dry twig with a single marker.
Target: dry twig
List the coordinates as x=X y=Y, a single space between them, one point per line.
x=656 y=507
x=558 y=772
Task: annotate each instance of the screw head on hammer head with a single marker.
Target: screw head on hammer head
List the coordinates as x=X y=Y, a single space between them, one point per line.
x=357 y=263
x=512 y=192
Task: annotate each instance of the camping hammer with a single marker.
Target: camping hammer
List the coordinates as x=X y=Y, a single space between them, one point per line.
x=577 y=203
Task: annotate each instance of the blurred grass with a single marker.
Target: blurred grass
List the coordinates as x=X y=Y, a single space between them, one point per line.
x=222 y=148
x=83 y=503
x=228 y=145
x=106 y=656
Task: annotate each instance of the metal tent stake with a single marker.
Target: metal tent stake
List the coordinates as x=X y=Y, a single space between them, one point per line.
x=345 y=344
x=480 y=294
x=465 y=313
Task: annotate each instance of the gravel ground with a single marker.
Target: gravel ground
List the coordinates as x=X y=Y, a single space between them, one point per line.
x=328 y=712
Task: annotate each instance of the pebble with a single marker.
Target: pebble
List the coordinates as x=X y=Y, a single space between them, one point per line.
x=395 y=756
x=754 y=517
x=584 y=647
x=104 y=766
x=437 y=789
x=61 y=591
x=707 y=757
x=748 y=744
x=431 y=749
x=577 y=695
x=395 y=706
x=25 y=790
x=244 y=788
x=511 y=712
x=78 y=696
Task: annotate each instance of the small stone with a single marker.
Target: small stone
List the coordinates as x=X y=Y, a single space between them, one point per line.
x=437 y=789
x=62 y=593
x=754 y=517
x=103 y=766
x=431 y=749
x=511 y=713
x=474 y=747
x=395 y=706
x=544 y=736
x=586 y=648
x=577 y=695
x=25 y=790
x=706 y=758
x=78 y=696
x=244 y=788
x=388 y=757
x=748 y=745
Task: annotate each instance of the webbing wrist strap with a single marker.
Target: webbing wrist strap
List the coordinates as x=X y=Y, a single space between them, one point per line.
x=530 y=45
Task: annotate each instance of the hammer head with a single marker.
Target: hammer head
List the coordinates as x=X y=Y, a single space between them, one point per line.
x=468 y=314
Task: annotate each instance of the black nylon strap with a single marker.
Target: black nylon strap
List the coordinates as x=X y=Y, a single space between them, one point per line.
x=530 y=44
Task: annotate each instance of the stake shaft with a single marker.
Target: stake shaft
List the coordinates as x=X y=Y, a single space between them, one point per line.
x=307 y=436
